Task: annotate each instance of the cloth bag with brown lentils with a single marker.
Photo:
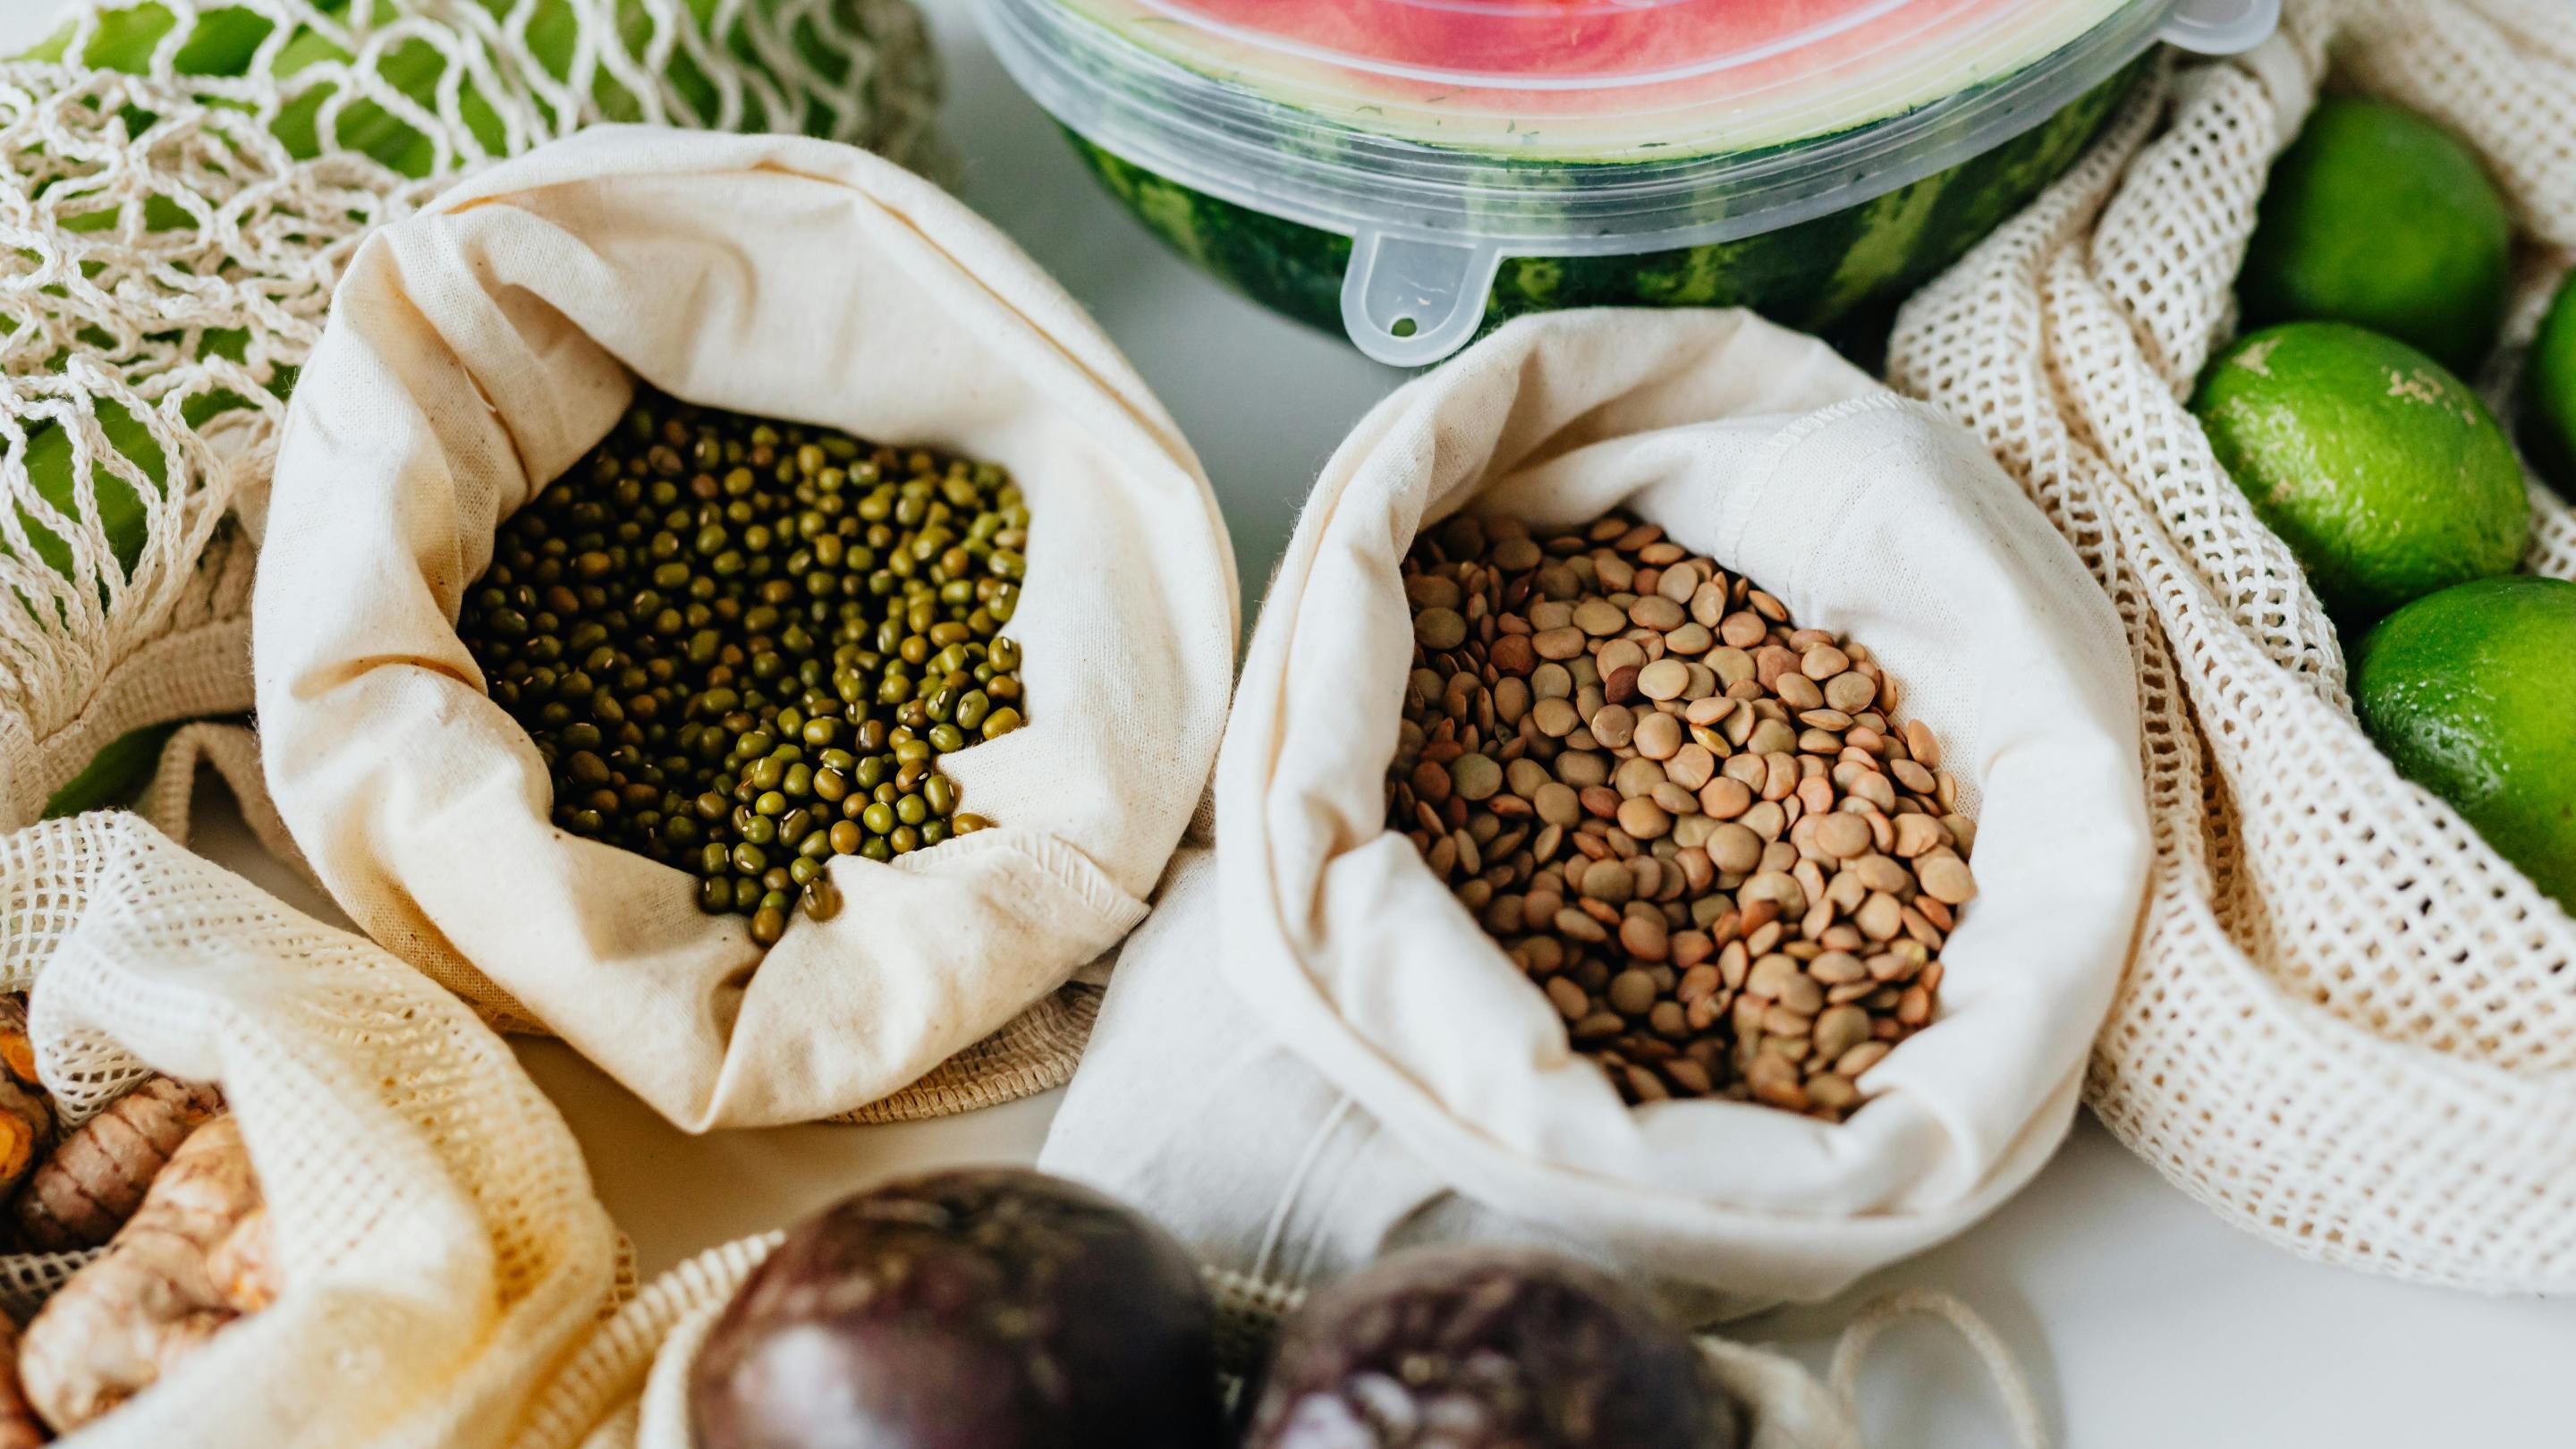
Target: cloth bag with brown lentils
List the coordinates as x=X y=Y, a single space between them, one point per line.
x=1682 y=805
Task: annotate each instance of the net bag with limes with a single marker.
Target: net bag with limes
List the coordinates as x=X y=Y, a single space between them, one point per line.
x=185 y=180
x=2350 y=1026
x=432 y=1249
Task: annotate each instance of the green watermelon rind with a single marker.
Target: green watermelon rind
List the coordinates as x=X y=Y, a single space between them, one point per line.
x=1811 y=275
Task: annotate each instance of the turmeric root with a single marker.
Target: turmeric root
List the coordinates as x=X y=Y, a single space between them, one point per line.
x=26 y=1110
x=19 y=1426
x=26 y=1130
x=127 y=1319
x=17 y=1045
x=78 y=1197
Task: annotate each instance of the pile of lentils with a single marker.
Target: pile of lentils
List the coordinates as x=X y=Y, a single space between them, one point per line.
x=1697 y=827
x=743 y=645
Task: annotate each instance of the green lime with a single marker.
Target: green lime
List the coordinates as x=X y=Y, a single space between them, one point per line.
x=2549 y=396
x=2468 y=693
x=2383 y=472
x=2378 y=217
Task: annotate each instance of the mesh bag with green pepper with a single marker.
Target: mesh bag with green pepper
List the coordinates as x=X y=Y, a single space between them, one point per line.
x=778 y=728
x=185 y=181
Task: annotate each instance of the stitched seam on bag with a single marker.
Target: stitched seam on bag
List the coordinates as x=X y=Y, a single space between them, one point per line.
x=1057 y=862
x=1773 y=456
x=1762 y=470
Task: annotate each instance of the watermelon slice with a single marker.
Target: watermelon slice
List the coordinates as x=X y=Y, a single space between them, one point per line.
x=1808 y=158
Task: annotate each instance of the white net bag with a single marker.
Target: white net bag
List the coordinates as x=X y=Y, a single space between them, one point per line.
x=181 y=191
x=439 y=1246
x=2350 y=1025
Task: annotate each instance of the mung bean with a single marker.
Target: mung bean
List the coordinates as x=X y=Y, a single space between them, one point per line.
x=741 y=645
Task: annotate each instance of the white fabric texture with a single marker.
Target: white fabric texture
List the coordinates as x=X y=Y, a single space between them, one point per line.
x=2351 y=1026
x=1312 y=1053
x=474 y=353
x=138 y=599
x=627 y=1387
x=439 y=1243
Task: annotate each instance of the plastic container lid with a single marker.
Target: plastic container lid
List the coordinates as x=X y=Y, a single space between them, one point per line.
x=1444 y=135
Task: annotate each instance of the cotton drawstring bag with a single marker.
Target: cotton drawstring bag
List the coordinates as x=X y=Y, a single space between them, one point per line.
x=438 y=1243
x=1313 y=1054
x=627 y=1387
x=185 y=180
x=473 y=353
x=2351 y=1025
x=1034 y=1052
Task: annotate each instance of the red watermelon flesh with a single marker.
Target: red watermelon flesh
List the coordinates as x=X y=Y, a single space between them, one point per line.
x=1750 y=44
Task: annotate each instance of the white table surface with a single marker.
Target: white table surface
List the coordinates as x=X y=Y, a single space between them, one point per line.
x=2143 y=1321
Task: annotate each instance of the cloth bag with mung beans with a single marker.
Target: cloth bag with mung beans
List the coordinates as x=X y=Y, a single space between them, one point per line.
x=1328 y=1043
x=473 y=354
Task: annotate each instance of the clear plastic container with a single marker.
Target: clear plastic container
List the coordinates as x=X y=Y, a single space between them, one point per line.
x=1413 y=170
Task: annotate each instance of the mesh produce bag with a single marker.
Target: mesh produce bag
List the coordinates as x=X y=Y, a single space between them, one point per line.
x=2350 y=1026
x=437 y=1239
x=181 y=193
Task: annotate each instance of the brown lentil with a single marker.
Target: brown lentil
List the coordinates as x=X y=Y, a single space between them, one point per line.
x=1693 y=824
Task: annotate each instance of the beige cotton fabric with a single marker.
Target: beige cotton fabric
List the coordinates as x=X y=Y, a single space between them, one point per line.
x=1313 y=1054
x=2351 y=1026
x=436 y=1230
x=473 y=354
x=1034 y=1052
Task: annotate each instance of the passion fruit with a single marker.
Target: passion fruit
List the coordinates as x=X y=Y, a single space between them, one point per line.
x=1487 y=1348
x=989 y=1308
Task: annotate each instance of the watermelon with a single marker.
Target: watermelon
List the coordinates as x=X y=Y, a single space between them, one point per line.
x=1600 y=148
x=1811 y=275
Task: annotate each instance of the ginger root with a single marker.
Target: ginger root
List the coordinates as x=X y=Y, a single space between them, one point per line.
x=93 y=1182
x=244 y=1265
x=19 y=1426
x=153 y=1298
